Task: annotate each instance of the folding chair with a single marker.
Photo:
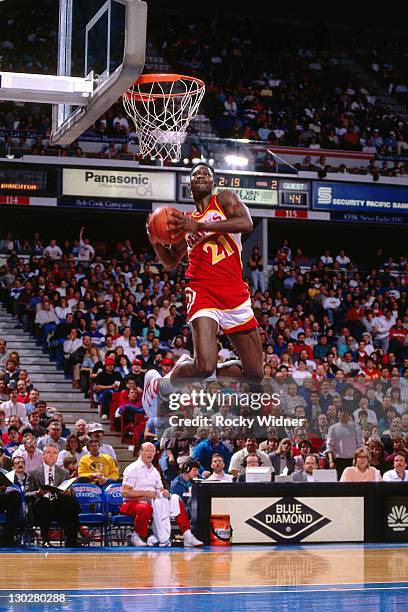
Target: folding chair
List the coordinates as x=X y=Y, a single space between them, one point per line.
x=92 y=515
x=118 y=524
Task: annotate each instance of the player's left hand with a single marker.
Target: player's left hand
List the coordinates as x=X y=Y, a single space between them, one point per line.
x=165 y=493
x=179 y=222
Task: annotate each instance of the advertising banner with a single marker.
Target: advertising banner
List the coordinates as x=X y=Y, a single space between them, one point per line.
x=396 y=519
x=121 y=184
x=103 y=204
x=360 y=197
x=289 y=520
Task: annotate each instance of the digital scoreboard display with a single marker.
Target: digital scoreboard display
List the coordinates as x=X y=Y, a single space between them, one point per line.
x=23 y=181
x=256 y=190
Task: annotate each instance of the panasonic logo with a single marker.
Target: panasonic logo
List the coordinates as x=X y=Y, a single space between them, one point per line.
x=120 y=179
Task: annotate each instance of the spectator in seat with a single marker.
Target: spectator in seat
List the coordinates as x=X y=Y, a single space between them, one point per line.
x=45 y=321
x=53 y=437
x=204 y=451
x=14 y=407
x=217 y=468
x=33 y=457
x=4 y=397
x=76 y=359
x=47 y=507
x=283 y=458
x=90 y=360
x=13 y=440
x=398 y=446
x=73 y=448
x=3 y=354
x=97 y=467
x=251 y=460
x=96 y=432
x=400 y=472
x=251 y=447
x=80 y=430
x=256 y=268
x=136 y=374
x=306 y=474
x=376 y=448
x=53 y=251
x=130 y=406
x=5 y=461
x=11 y=372
x=106 y=383
x=363 y=405
x=10 y=503
x=361 y=470
x=3 y=425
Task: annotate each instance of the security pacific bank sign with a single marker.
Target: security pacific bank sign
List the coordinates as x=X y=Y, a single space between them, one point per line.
x=360 y=198
x=127 y=184
x=293 y=519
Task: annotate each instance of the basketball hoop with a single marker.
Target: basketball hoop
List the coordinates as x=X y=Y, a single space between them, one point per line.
x=161 y=106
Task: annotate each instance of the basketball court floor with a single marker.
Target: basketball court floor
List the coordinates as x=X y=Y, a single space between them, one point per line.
x=316 y=577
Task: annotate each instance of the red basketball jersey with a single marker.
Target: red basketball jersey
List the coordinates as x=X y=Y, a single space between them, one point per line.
x=215 y=258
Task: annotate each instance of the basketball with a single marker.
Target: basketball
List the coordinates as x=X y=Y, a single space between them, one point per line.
x=159 y=226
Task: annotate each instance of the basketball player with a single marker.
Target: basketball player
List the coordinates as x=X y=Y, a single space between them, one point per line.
x=216 y=295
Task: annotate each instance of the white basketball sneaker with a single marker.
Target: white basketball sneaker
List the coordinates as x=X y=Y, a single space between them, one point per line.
x=150 y=392
x=152 y=540
x=190 y=540
x=136 y=540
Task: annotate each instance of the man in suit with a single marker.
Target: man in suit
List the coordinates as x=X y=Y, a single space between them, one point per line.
x=306 y=475
x=48 y=507
x=10 y=504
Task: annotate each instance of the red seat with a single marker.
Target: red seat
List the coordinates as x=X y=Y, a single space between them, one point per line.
x=115 y=403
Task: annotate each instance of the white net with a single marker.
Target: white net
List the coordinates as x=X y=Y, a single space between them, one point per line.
x=161 y=111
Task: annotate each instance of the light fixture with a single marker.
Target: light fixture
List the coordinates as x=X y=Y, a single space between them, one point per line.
x=236 y=160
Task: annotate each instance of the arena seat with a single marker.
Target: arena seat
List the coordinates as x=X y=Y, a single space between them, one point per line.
x=118 y=524
x=90 y=498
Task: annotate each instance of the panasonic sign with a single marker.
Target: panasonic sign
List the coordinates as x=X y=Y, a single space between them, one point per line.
x=124 y=184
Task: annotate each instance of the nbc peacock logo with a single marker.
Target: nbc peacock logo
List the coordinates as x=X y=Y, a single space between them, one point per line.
x=398 y=518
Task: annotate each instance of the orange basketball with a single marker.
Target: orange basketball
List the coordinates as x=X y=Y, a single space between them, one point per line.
x=159 y=226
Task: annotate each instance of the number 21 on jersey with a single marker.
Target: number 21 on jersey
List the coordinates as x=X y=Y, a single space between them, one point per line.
x=219 y=249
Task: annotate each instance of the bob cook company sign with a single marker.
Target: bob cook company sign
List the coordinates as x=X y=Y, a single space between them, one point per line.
x=293 y=519
x=128 y=184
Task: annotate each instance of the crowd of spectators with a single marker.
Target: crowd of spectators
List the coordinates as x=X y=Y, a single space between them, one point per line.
x=289 y=89
x=334 y=344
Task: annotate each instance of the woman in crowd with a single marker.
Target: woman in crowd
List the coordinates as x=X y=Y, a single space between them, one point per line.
x=283 y=458
x=361 y=471
x=91 y=358
x=73 y=448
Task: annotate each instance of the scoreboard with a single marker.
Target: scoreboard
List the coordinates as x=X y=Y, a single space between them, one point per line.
x=256 y=189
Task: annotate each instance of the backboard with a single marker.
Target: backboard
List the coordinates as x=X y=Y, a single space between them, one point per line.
x=104 y=42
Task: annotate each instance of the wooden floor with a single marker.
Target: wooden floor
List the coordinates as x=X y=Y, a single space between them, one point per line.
x=235 y=567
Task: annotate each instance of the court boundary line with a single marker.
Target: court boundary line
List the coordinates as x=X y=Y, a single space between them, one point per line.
x=329 y=589
x=255 y=588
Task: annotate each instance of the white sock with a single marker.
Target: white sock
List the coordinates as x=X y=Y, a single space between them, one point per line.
x=228 y=363
x=187 y=533
x=165 y=387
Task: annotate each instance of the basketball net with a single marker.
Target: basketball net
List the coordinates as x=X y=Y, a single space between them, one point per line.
x=161 y=106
